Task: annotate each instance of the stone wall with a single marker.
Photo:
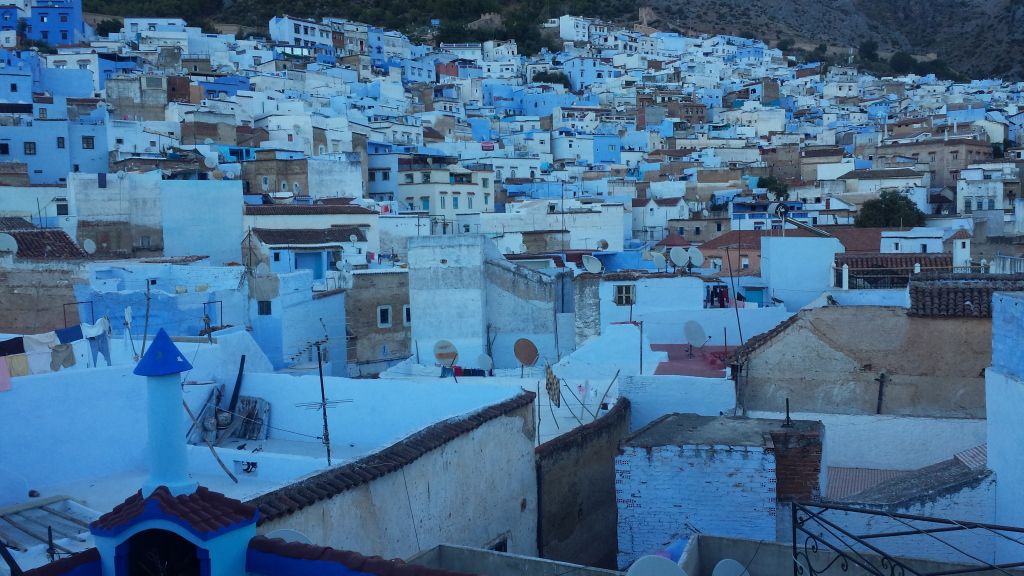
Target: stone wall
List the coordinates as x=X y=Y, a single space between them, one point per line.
x=576 y=491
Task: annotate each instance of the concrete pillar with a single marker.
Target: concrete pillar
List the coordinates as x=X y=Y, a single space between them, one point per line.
x=846 y=276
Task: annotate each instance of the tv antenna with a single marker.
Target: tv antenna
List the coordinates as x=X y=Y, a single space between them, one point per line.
x=324 y=403
x=695 y=335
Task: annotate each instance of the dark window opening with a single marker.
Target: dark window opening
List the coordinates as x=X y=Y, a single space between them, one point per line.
x=263 y=307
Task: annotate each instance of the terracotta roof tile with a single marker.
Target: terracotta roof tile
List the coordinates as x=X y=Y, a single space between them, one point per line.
x=308 y=236
x=14 y=223
x=958 y=299
x=304 y=209
x=673 y=240
x=289 y=499
x=46 y=244
x=869 y=174
x=961 y=234
x=902 y=263
x=204 y=513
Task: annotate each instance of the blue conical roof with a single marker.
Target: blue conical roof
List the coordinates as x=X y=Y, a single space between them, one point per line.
x=162 y=358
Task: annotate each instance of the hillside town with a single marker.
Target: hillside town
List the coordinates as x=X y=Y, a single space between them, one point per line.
x=336 y=301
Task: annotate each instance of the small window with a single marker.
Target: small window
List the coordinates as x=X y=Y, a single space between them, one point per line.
x=14 y=87
x=896 y=246
x=425 y=177
x=144 y=241
x=744 y=263
x=5 y=149
x=277 y=256
x=469 y=203
x=455 y=202
x=118 y=140
x=485 y=182
x=963 y=245
x=924 y=248
x=30 y=148
x=425 y=204
x=63 y=17
x=371 y=176
x=718 y=226
x=968 y=207
x=487 y=199
x=408 y=178
x=62 y=209
x=385 y=175
x=384 y=317
x=88 y=142
x=696 y=230
x=625 y=294
x=407 y=315
x=991 y=203
x=263 y=307
x=42 y=113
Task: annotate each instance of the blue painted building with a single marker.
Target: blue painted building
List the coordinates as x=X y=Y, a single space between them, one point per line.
x=223 y=86
x=51 y=145
x=57 y=22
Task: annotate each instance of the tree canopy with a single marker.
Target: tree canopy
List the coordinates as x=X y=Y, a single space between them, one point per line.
x=868 y=50
x=776 y=187
x=889 y=210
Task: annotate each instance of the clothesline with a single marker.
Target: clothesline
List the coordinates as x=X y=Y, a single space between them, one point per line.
x=66 y=348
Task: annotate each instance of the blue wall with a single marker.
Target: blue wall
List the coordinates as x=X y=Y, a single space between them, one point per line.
x=56 y=22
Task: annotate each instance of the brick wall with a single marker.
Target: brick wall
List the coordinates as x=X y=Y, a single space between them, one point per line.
x=576 y=491
x=798 y=465
x=668 y=492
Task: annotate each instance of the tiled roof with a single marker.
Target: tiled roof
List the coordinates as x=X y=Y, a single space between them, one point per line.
x=855 y=240
x=355 y=563
x=14 y=223
x=973 y=458
x=66 y=565
x=304 y=209
x=202 y=512
x=290 y=499
x=898 y=262
x=308 y=236
x=668 y=201
x=640 y=202
x=46 y=244
x=673 y=240
x=961 y=234
x=822 y=152
x=879 y=174
x=843 y=482
x=958 y=299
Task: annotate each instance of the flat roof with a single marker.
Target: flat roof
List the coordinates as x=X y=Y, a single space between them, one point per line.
x=693 y=429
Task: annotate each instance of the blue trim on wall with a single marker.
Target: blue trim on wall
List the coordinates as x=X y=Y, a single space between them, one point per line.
x=257 y=562
x=153 y=512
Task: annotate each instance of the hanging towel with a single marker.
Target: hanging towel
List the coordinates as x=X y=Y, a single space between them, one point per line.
x=39 y=361
x=40 y=342
x=12 y=346
x=17 y=365
x=82 y=353
x=5 y=375
x=100 y=345
x=63 y=355
x=70 y=334
x=91 y=330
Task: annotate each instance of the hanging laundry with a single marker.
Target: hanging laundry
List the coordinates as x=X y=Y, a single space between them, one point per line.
x=92 y=330
x=39 y=361
x=70 y=334
x=100 y=345
x=17 y=364
x=12 y=346
x=63 y=355
x=5 y=375
x=551 y=384
x=40 y=342
x=82 y=354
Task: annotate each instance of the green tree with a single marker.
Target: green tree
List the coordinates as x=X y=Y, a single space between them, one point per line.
x=822 y=49
x=778 y=188
x=868 y=50
x=902 y=62
x=785 y=44
x=997 y=150
x=890 y=209
x=552 y=78
x=108 y=26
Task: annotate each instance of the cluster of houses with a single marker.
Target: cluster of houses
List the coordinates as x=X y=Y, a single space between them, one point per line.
x=421 y=307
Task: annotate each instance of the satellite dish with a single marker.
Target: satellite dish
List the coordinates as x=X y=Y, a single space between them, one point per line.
x=218 y=175
x=89 y=246
x=678 y=255
x=705 y=212
x=695 y=256
x=340 y=265
x=602 y=244
x=695 y=334
x=208 y=141
x=659 y=261
x=485 y=362
x=121 y=174
x=655 y=566
x=592 y=265
x=289 y=535
x=8 y=244
x=352 y=238
x=523 y=249
x=210 y=162
x=229 y=175
x=445 y=352
x=262 y=269
x=526 y=352
x=781 y=211
x=730 y=567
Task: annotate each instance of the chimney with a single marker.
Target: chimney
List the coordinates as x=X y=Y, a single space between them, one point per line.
x=168 y=457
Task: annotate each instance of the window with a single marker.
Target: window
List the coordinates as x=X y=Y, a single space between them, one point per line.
x=62 y=209
x=625 y=294
x=263 y=307
x=277 y=256
x=718 y=226
x=118 y=140
x=63 y=34
x=383 y=316
x=88 y=142
x=5 y=149
x=408 y=178
x=924 y=248
x=991 y=203
x=963 y=245
x=425 y=177
x=425 y=203
x=968 y=205
x=455 y=202
x=30 y=148
x=744 y=263
x=485 y=182
x=442 y=202
x=14 y=87
x=63 y=17
x=144 y=241
x=42 y=113
x=297 y=28
x=371 y=176
x=487 y=199
x=385 y=175
x=43 y=18
x=46 y=35
x=407 y=315
x=469 y=203
x=896 y=246
x=696 y=230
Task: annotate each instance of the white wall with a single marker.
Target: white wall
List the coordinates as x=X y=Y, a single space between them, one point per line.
x=798 y=270
x=651 y=397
